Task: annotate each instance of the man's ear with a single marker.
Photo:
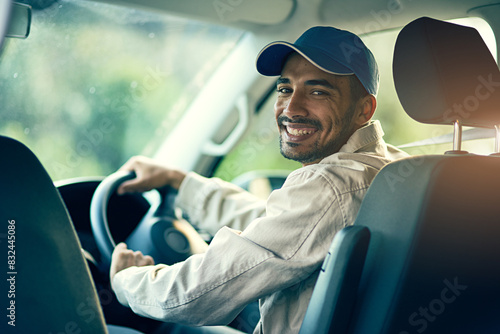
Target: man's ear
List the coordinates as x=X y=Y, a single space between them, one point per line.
x=366 y=108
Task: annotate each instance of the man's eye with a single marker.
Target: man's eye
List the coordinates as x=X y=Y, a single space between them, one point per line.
x=318 y=92
x=283 y=90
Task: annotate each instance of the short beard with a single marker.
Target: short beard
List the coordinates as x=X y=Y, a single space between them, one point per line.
x=303 y=158
x=317 y=153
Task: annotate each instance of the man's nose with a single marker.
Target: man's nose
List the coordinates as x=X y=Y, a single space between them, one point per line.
x=295 y=106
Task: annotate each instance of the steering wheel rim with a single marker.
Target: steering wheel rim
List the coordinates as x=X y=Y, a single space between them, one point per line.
x=98 y=212
x=156 y=234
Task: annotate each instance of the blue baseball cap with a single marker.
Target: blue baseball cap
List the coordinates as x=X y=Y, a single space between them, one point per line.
x=330 y=49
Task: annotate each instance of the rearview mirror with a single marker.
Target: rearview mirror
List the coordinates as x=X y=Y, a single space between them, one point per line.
x=20 y=21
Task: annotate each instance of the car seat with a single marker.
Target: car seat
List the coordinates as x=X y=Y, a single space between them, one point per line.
x=422 y=255
x=46 y=284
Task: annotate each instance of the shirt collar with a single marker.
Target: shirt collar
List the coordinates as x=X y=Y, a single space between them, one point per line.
x=367 y=135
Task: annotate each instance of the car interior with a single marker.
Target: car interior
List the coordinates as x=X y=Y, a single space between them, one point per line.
x=89 y=83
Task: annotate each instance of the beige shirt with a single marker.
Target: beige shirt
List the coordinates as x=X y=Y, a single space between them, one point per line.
x=275 y=259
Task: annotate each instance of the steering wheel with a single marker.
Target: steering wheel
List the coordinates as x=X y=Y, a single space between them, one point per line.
x=159 y=233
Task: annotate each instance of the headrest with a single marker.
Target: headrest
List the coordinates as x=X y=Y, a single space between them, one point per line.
x=444 y=72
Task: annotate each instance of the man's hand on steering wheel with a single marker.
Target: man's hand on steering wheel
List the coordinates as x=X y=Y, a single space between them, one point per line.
x=124 y=258
x=149 y=175
x=160 y=233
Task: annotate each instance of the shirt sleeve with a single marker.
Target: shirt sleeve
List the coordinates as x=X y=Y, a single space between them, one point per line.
x=274 y=252
x=213 y=203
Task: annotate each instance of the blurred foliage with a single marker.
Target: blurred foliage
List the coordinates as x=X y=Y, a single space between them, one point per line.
x=95 y=84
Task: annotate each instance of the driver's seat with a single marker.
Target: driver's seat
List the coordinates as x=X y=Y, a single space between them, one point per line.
x=48 y=288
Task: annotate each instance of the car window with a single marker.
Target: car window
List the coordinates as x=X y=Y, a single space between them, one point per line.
x=259 y=149
x=95 y=84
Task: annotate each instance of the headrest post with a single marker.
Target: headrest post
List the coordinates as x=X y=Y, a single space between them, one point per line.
x=457 y=136
x=497 y=138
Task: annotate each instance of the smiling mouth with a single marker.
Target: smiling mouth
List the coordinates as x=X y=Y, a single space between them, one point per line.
x=299 y=131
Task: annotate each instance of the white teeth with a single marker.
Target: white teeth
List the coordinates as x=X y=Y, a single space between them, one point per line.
x=297 y=132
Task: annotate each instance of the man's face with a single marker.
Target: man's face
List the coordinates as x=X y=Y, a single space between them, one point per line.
x=313 y=111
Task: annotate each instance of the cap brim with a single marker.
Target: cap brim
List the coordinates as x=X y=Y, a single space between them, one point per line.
x=272 y=57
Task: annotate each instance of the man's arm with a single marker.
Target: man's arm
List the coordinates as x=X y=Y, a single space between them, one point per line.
x=210 y=203
x=275 y=252
x=213 y=203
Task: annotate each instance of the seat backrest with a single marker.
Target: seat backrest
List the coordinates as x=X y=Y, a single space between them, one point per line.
x=48 y=287
x=434 y=221
x=430 y=264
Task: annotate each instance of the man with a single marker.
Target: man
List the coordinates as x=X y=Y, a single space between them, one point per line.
x=327 y=85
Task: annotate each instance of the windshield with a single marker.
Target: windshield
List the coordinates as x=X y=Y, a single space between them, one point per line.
x=95 y=84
